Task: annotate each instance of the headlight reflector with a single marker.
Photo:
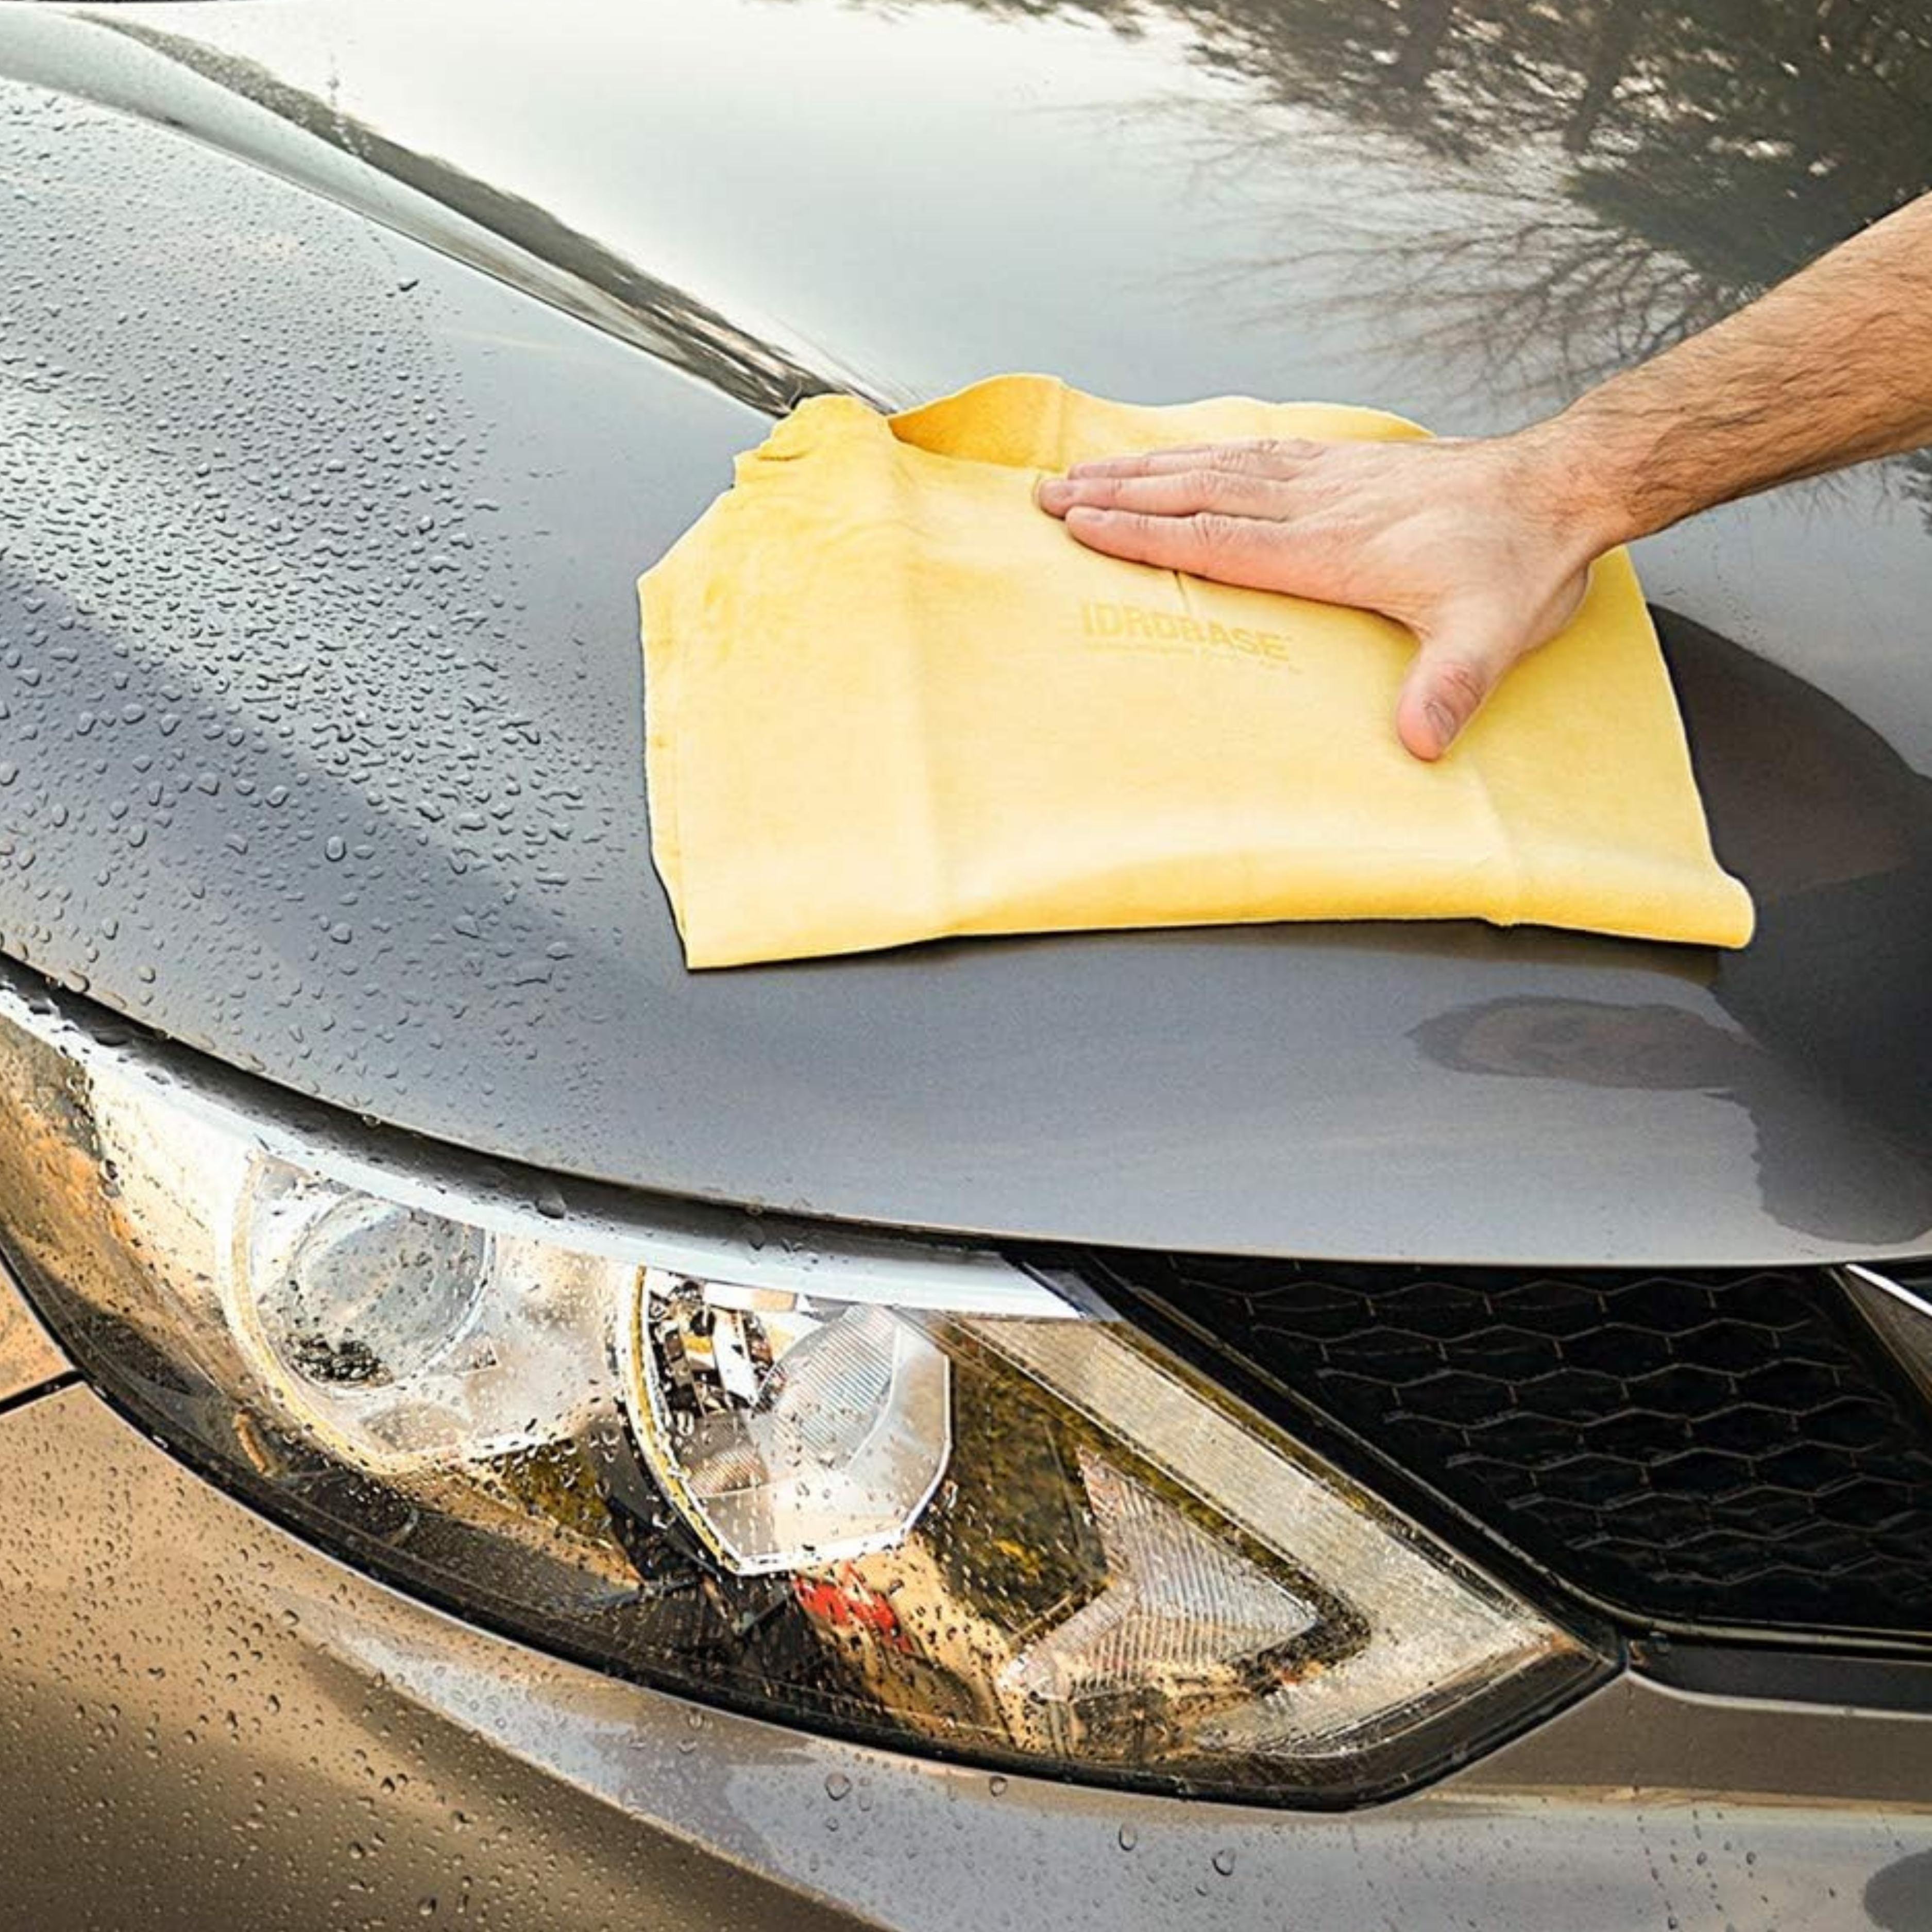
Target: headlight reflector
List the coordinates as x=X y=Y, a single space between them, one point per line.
x=912 y=1493
x=789 y=1439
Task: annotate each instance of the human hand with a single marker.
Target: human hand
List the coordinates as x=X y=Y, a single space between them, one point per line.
x=1476 y=546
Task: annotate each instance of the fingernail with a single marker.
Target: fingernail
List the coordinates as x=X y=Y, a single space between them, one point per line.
x=1443 y=724
x=1051 y=491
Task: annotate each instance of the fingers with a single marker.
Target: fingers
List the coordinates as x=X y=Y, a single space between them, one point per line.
x=1232 y=549
x=1235 y=529
x=1135 y=461
x=1179 y=492
x=1263 y=455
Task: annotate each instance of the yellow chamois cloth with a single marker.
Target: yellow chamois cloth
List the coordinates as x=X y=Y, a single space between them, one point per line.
x=889 y=698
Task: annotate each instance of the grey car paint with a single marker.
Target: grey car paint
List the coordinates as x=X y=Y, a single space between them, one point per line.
x=355 y=361
x=29 y=1359
x=348 y=373
x=229 y=1728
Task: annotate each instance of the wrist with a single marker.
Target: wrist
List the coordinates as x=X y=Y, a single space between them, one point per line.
x=1570 y=478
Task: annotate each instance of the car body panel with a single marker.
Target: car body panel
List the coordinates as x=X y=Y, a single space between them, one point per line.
x=29 y=1358
x=355 y=363
x=357 y=1760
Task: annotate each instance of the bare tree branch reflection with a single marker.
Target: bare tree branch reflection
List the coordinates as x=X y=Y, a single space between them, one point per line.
x=1593 y=179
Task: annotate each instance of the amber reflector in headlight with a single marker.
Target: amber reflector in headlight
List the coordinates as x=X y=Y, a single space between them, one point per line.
x=910 y=1493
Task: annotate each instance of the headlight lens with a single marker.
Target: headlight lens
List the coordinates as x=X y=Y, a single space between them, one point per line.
x=912 y=1494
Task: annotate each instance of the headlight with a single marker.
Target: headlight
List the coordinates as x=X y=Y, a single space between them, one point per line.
x=912 y=1494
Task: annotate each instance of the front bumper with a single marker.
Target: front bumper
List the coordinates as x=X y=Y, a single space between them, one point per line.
x=208 y=1721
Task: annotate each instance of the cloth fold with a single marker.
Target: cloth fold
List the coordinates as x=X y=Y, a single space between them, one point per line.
x=889 y=699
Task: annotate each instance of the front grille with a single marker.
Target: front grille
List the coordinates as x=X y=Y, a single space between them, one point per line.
x=1728 y=1450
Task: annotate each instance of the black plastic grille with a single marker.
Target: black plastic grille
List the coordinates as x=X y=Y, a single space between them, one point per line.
x=1733 y=1450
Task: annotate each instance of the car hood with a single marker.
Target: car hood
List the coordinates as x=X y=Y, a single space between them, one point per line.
x=353 y=363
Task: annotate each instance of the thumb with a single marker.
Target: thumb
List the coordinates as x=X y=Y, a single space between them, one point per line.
x=1454 y=670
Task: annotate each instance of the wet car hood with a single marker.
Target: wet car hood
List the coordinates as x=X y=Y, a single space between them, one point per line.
x=352 y=365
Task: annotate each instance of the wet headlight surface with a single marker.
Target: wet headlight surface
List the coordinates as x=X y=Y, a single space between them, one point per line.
x=910 y=1493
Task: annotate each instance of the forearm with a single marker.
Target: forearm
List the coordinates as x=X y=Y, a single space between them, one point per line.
x=1833 y=367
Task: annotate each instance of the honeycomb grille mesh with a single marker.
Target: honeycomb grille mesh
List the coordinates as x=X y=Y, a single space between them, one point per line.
x=1714 y=1450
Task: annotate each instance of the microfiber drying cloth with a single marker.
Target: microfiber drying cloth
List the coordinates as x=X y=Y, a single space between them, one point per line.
x=888 y=698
